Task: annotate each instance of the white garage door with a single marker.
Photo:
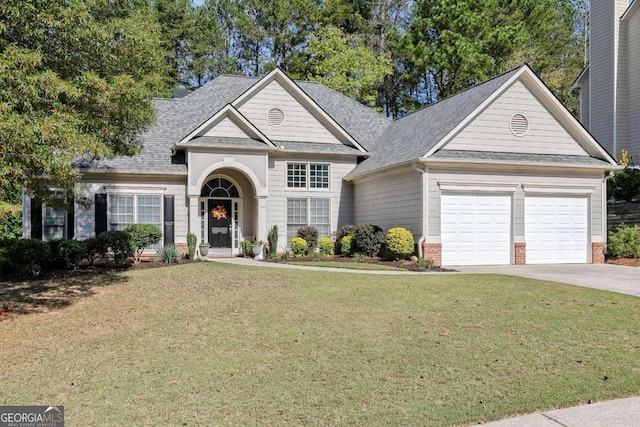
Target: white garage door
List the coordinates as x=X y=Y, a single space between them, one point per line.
x=555 y=229
x=475 y=229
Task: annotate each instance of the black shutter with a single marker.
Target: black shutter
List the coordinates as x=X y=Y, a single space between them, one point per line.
x=168 y=220
x=101 y=213
x=70 y=221
x=36 y=219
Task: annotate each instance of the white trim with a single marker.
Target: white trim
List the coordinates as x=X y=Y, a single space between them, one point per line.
x=477 y=187
x=227 y=111
x=291 y=87
x=228 y=162
x=560 y=189
x=135 y=189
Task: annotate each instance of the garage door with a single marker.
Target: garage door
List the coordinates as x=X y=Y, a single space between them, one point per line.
x=556 y=229
x=475 y=229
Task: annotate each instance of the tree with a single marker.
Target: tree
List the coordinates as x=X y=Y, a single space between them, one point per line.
x=76 y=79
x=343 y=63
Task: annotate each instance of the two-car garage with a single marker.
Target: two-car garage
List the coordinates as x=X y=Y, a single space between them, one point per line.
x=478 y=228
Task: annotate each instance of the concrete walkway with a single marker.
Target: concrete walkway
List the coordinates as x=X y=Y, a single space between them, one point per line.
x=613 y=413
x=614 y=278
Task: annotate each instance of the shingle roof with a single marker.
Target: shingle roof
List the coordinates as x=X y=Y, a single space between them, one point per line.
x=315 y=147
x=413 y=135
x=227 y=142
x=177 y=118
x=521 y=158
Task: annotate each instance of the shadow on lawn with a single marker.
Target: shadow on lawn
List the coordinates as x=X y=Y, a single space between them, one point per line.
x=34 y=296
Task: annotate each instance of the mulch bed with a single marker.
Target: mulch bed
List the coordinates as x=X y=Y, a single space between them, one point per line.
x=630 y=262
x=406 y=265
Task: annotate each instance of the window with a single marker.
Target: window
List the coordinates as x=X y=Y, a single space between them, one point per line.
x=133 y=209
x=54 y=221
x=318 y=176
x=302 y=212
x=297 y=177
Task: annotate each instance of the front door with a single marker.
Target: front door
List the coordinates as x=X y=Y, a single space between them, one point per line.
x=220 y=223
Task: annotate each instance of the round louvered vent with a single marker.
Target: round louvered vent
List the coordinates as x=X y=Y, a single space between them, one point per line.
x=519 y=124
x=275 y=117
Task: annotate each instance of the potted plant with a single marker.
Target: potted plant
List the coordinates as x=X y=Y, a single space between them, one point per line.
x=246 y=248
x=256 y=248
x=204 y=248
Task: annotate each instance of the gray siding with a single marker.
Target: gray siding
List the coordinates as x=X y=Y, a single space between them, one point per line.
x=391 y=200
x=299 y=123
x=340 y=193
x=227 y=128
x=631 y=58
x=517 y=180
x=490 y=131
x=85 y=218
x=585 y=103
x=604 y=35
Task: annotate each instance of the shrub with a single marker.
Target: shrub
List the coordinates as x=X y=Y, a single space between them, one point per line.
x=310 y=235
x=246 y=248
x=31 y=255
x=624 y=242
x=118 y=243
x=72 y=252
x=192 y=242
x=10 y=222
x=399 y=242
x=347 y=230
x=168 y=254
x=624 y=185
x=348 y=245
x=325 y=244
x=299 y=246
x=55 y=259
x=94 y=248
x=369 y=239
x=426 y=264
x=6 y=260
x=143 y=236
x=272 y=238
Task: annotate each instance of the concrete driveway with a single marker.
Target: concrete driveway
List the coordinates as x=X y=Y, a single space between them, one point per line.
x=609 y=277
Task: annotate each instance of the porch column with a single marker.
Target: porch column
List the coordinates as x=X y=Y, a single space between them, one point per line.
x=261 y=232
x=194 y=223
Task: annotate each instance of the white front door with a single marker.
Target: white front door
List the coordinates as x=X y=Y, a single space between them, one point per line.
x=556 y=229
x=475 y=229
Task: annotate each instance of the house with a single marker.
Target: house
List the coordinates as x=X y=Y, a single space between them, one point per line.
x=610 y=84
x=500 y=173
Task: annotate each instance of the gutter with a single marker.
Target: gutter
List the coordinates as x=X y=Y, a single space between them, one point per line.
x=425 y=181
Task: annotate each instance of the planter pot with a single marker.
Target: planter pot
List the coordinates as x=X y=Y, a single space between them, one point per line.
x=256 y=250
x=204 y=250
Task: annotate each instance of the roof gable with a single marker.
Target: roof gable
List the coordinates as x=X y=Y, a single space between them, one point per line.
x=300 y=117
x=228 y=122
x=516 y=122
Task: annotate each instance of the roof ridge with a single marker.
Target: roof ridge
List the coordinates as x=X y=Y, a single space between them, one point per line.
x=513 y=70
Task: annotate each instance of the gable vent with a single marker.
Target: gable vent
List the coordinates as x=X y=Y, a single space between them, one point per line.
x=275 y=117
x=519 y=124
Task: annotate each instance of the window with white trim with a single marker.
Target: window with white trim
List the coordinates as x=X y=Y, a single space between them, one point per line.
x=308 y=175
x=54 y=223
x=127 y=209
x=302 y=212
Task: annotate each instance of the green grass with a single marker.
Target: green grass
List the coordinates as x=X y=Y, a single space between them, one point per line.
x=349 y=265
x=215 y=344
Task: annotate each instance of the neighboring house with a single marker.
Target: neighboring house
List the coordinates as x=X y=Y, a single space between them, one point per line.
x=610 y=85
x=498 y=174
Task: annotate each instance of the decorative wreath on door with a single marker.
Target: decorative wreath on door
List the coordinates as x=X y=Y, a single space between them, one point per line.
x=219 y=212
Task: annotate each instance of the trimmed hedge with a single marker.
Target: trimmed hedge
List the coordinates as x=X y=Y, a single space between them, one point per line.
x=298 y=246
x=142 y=236
x=369 y=239
x=624 y=242
x=325 y=245
x=399 y=242
x=310 y=235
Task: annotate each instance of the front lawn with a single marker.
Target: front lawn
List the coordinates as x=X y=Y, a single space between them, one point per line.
x=216 y=344
x=349 y=265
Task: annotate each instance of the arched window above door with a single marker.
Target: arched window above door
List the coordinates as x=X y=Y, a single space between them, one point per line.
x=219 y=187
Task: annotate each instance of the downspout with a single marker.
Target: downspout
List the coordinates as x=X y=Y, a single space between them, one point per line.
x=424 y=208
x=604 y=209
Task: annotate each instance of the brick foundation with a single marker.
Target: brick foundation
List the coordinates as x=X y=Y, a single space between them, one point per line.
x=521 y=253
x=433 y=251
x=597 y=253
x=182 y=248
